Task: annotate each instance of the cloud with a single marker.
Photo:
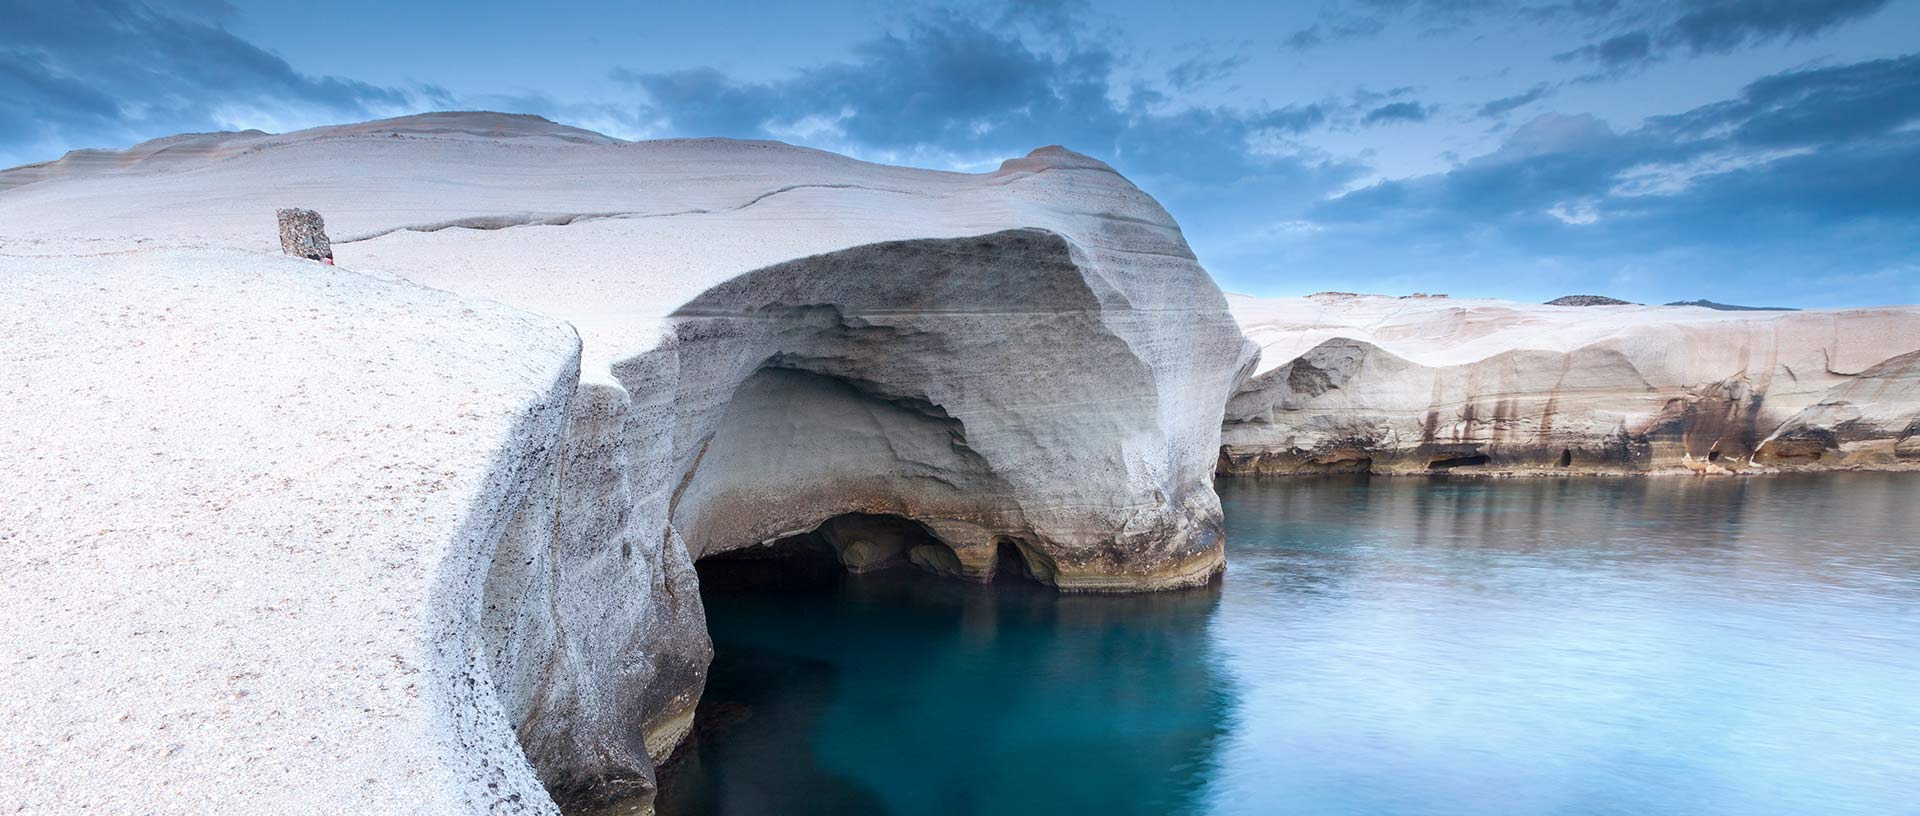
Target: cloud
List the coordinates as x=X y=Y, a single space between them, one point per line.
x=1335 y=27
x=108 y=72
x=1397 y=112
x=1613 y=53
x=1719 y=26
x=950 y=84
x=1827 y=116
x=1697 y=27
x=1805 y=165
x=1625 y=34
x=1507 y=104
x=1812 y=106
x=1304 y=39
x=1197 y=71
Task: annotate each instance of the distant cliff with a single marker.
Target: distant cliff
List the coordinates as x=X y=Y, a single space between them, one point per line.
x=1418 y=385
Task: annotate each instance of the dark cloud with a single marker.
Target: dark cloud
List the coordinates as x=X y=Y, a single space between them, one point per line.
x=1718 y=26
x=1196 y=71
x=1812 y=106
x=1337 y=26
x=950 y=83
x=1626 y=34
x=1854 y=110
x=1304 y=39
x=108 y=72
x=1507 y=104
x=1697 y=27
x=1613 y=53
x=1397 y=112
x=1795 y=156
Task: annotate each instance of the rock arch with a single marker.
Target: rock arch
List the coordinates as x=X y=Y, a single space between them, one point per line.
x=996 y=392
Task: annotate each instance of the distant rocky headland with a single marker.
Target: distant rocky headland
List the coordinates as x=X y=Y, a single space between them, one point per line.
x=1424 y=385
x=415 y=533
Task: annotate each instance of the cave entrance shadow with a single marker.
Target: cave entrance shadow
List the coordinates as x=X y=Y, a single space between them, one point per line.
x=1016 y=561
x=820 y=675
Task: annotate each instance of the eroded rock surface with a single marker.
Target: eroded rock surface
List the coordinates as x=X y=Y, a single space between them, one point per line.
x=773 y=341
x=252 y=502
x=1415 y=385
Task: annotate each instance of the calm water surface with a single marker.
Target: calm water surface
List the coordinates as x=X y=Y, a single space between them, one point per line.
x=1392 y=646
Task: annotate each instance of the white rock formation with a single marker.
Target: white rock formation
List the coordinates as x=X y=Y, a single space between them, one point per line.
x=1027 y=364
x=1419 y=384
x=251 y=506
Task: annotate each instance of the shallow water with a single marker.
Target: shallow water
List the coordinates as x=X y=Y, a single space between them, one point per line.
x=1385 y=646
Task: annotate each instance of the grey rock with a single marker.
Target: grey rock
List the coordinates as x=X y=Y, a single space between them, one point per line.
x=1728 y=307
x=303 y=234
x=1587 y=300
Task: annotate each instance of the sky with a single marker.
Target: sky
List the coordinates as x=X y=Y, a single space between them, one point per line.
x=1762 y=152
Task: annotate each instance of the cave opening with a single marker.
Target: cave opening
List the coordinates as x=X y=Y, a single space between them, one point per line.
x=1017 y=560
x=1566 y=457
x=850 y=543
x=1451 y=462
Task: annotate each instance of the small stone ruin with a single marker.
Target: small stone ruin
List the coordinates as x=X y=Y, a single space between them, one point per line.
x=303 y=233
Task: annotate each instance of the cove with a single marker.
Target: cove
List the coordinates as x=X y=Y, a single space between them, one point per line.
x=1377 y=646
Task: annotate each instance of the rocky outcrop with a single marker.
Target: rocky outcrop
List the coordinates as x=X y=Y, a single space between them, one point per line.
x=1729 y=307
x=1587 y=300
x=1406 y=385
x=1869 y=421
x=962 y=373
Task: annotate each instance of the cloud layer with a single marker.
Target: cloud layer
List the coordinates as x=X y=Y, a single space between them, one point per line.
x=953 y=87
x=1801 y=172
x=104 y=73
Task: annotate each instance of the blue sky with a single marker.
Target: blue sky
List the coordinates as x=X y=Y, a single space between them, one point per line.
x=1746 y=151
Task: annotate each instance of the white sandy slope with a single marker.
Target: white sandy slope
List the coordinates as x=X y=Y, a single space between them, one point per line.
x=992 y=330
x=250 y=504
x=1513 y=379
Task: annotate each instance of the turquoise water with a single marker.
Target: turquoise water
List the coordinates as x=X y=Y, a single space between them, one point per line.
x=1392 y=646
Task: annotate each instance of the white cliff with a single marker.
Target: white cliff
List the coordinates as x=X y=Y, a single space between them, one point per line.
x=1422 y=384
x=481 y=560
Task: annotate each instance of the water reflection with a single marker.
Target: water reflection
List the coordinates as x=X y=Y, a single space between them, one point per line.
x=1580 y=646
x=1385 y=646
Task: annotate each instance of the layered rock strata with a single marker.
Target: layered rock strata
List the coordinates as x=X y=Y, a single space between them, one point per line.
x=1421 y=385
x=939 y=370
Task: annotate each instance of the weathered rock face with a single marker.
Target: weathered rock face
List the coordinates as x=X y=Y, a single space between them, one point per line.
x=938 y=370
x=1415 y=385
x=919 y=379
x=1870 y=421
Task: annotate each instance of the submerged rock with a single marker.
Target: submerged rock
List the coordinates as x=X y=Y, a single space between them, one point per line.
x=1027 y=365
x=1386 y=385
